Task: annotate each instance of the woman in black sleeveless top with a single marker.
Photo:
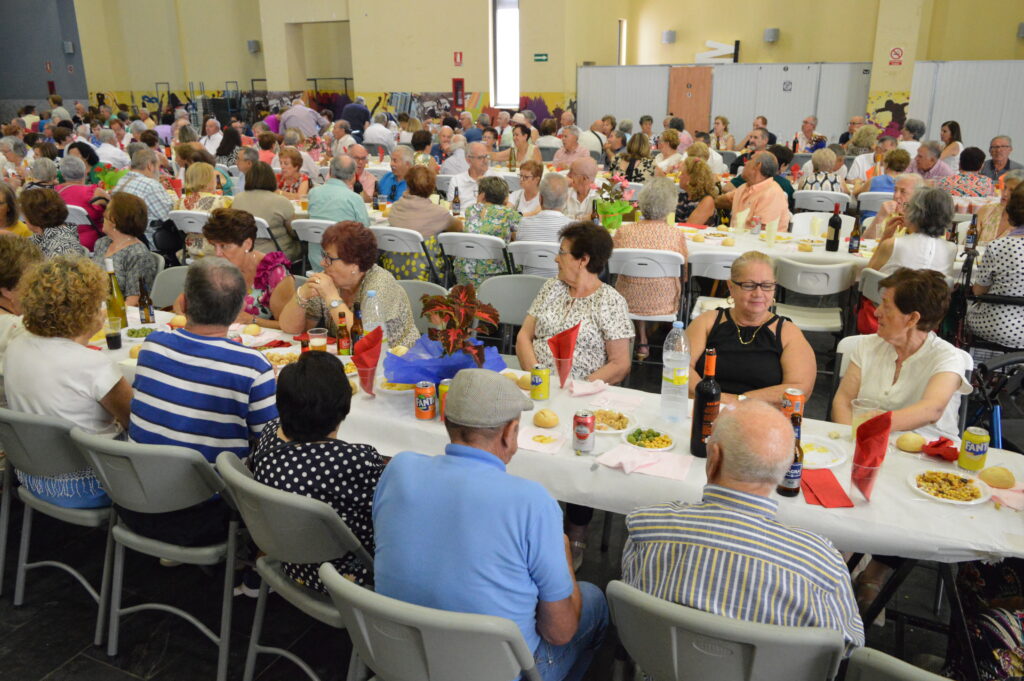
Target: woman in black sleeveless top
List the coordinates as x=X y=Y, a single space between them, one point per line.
x=760 y=354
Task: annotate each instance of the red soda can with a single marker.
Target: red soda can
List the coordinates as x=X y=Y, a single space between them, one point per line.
x=442 y=394
x=583 y=423
x=793 y=402
x=426 y=404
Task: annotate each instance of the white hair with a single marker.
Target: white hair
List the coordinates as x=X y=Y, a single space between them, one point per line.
x=658 y=198
x=458 y=142
x=107 y=136
x=756 y=442
x=554 y=191
x=403 y=152
x=380 y=118
x=573 y=130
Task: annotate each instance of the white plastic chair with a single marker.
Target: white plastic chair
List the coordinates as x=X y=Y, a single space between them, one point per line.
x=671 y=642
x=159 y=260
x=405 y=642
x=511 y=296
x=872 y=201
x=807 y=199
x=189 y=221
x=647 y=264
x=235 y=172
x=728 y=157
x=472 y=247
x=415 y=289
x=539 y=256
x=442 y=183
x=168 y=285
x=800 y=225
x=874 y=665
x=310 y=232
x=402 y=240
x=711 y=265
x=77 y=216
x=263 y=231
x=869 y=279
x=814 y=280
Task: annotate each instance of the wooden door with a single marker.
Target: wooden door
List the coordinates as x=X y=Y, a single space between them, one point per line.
x=689 y=96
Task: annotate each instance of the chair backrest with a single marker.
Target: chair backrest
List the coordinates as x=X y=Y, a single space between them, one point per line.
x=869 y=279
x=310 y=231
x=263 y=229
x=711 y=264
x=807 y=199
x=800 y=225
x=472 y=246
x=671 y=642
x=159 y=260
x=398 y=239
x=39 y=445
x=800 y=159
x=148 y=478
x=442 y=183
x=189 y=221
x=539 y=254
x=168 y=285
x=843 y=350
x=646 y=263
x=547 y=154
x=874 y=665
x=405 y=642
x=596 y=155
x=728 y=157
x=77 y=215
x=234 y=171
x=511 y=295
x=374 y=149
x=414 y=290
x=872 y=201
x=286 y=526
x=813 y=279
x=867 y=223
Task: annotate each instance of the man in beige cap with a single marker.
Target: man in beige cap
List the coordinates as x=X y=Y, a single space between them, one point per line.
x=457 y=532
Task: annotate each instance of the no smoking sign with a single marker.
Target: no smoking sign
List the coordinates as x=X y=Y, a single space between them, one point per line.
x=896 y=56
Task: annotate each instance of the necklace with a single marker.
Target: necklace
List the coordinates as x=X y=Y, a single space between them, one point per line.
x=739 y=332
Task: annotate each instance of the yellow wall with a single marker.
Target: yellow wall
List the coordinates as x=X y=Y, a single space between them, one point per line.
x=982 y=29
x=328 y=51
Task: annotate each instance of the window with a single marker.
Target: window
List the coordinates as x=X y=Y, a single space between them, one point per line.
x=505 y=53
x=622 y=42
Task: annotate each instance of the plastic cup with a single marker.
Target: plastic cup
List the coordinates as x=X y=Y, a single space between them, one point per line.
x=366 y=377
x=318 y=340
x=863 y=478
x=563 y=367
x=863 y=410
x=112 y=330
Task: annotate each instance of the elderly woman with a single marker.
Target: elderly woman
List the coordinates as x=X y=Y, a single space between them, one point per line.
x=526 y=199
x=863 y=140
x=721 y=138
x=421 y=141
x=86 y=153
x=124 y=224
x=200 y=190
x=50 y=371
x=660 y=295
x=302 y=453
x=1000 y=273
x=292 y=183
x=636 y=165
x=416 y=211
x=760 y=354
x=668 y=159
x=350 y=272
x=489 y=215
x=46 y=216
x=969 y=181
x=230 y=145
x=90 y=197
x=929 y=216
x=823 y=178
x=16 y=256
x=9 y=222
x=42 y=174
x=697 y=191
x=187 y=155
x=894 y=163
x=262 y=200
x=993 y=221
x=524 y=148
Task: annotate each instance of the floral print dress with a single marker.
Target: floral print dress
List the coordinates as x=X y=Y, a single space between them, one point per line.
x=486 y=218
x=272 y=270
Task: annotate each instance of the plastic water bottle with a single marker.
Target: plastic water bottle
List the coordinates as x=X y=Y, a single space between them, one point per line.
x=373 y=316
x=675 y=376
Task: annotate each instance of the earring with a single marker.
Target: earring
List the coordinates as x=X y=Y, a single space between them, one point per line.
x=730 y=301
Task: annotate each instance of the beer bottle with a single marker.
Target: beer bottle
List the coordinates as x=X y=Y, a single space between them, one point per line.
x=456 y=203
x=835 y=225
x=971 y=240
x=376 y=201
x=344 y=338
x=356 y=332
x=146 y=311
x=115 y=299
x=707 y=397
x=512 y=159
x=855 y=237
x=595 y=217
x=789 y=486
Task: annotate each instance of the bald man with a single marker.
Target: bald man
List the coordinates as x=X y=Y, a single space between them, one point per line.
x=479 y=165
x=579 y=205
x=728 y=555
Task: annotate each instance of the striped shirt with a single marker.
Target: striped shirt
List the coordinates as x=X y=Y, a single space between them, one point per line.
x=209 y=394
x=729 y=556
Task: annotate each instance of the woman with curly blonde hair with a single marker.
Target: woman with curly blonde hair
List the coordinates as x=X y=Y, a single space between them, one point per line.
x=697 y=192
x=51 y=371
x=721 y=138
x=200 y=190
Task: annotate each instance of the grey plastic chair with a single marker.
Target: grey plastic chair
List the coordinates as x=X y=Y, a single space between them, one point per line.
x=415 y=289
x=404 y=642
x=874 y=665
x=671 y=642
x=41 y=445
x=160 y=479
x=512 y=296
x=288 y=528
x=168 y=285
x=547 y=154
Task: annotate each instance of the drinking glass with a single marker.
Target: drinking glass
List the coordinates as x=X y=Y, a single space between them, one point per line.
x=864 y=409
x=318 y=340
x=112 y=330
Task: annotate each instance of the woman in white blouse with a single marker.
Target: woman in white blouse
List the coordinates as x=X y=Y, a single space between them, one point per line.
x=668 y=158
x=928 y=217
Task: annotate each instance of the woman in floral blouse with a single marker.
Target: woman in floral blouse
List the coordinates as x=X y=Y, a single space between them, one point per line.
x=489 y=215
x=123 y=224
x=46 y=217
x=636 y=165
x=292 y=182
x=200 y=191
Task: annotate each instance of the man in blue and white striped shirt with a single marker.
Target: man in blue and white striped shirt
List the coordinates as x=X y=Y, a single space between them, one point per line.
x=728 y=555
x=193 y=386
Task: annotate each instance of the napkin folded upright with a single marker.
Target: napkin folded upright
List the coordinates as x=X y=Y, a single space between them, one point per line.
x=872 y=444
x=739 y=221
x=366 y=355
x=578 y=388
x=563 y=345
x=821 y=488
x=671 y=465
x=943 y=447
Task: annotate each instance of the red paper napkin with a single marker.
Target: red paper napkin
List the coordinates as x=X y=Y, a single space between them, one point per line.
x=366 y=355
x=301 y=337
x=942 y=447
x=872 y=444
x=563 y=345
x=821 y=488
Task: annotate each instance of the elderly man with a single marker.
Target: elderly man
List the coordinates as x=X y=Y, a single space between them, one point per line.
x=910 y=135
x=1000 y=163
x=890 y=216
x=58 y=112
x=212 y=139
x=595 y=138
x=470 y=131
x=378 y=133
x=808 y=139
x=247 y=156
x=856 y=122
x=443 y=149
x=142 y=181
x=342 y=138
x=502 y=125
x=757 y=141
x=566 y=120
x=760 y=193
x=508 y=557
x=456 y=162
x=336 y=200
x=365 y=182
x=579 y=203
x=357 y=115
x=146 y=119
x=466 y=182
x=109 y=152
x=863 y=164
x=392 y=185
x=302 y=118
x=691 y=554
x=571 y=149
x=615 y=145
x=546 y=225
x=926 y=163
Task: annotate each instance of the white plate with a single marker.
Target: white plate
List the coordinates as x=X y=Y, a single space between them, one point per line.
x=781 y=237
x=813 y=240
x=380 y=387
x=626 y=433
x=630 y=425
x=820 y=452
x=986 y=491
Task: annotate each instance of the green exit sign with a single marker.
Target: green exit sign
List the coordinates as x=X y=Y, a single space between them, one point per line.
x=540 y=56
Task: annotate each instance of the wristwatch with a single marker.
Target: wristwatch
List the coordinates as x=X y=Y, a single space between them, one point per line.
x=335 y=304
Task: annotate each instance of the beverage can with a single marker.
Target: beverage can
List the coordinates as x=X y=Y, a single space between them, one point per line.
x=426 y=404
x=793 y=402
x=540 y=382
x=442 y=395
x=583 y=423
x=973 y=449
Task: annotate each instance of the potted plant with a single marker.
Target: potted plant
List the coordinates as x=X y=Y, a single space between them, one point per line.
x=458 y=317
x=613 y=202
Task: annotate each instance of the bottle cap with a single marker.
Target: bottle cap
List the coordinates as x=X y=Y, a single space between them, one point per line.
x=371 y=294
x=677 y=324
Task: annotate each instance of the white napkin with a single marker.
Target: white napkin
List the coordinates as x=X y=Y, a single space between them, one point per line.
x=629 y=459
x=739 y=221
x=526 y=441
x=578 y=388
x=262 y=338
x=771 y=230
x=617 y=401
x=1013 y=497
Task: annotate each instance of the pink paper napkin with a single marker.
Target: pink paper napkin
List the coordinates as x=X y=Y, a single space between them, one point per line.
x=526 y=441
x=629 y=459
x=617 y=401
x=578 y=388
x=1013 y=497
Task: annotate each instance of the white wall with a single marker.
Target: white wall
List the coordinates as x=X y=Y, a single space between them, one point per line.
x=627 y=92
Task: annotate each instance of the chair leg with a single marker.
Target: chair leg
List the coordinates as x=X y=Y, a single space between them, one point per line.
x=606 y=533
x=357 y=671
x=115 y=600
x=108 y=555
x=226 y=603
x=5 y=519
x=26 y=534
x=257 y=629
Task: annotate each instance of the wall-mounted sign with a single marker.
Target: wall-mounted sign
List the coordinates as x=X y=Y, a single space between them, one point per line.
x=458 y=58
x=48 y=66
x=459 y=92
x=896 y=56
x=540 y=56
x=719 y=53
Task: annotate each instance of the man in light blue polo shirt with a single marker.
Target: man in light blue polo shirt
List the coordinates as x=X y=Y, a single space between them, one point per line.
x=391 y=187
x=335 y=200
x=457 y=532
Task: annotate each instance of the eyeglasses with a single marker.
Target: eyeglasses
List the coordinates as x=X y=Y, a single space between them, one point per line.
x=527 y=177
x=476 y=156
x=562 y=252
x=752 y=285
x=328 y=260
x=999 y=146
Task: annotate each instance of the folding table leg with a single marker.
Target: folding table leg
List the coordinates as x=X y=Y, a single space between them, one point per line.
x=888 y=590
x=958 y=620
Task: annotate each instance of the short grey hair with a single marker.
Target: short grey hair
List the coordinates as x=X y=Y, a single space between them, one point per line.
x=933 y=147
x=14 y=145
x=214 y=292
x=554 y=191
x=137 y=127
x=403 y=152
x=915 y=127
x=107 y=136
x=258 y=127
x=186 y=134
x=72 y=168
x=215 y=121
x=767 y=163
x=43 y=169
x=626 y=126
x=360 y=100
x=483 y=119
x=838 y=150
x=83 y=130
x=1008 y=139
x=658 y=198
x=930 y=209
x=530 y=116
x=752 y=452
x=823 y=160
x=134 y=148
x=573 y=130
x=380 y=118
x=143 y=158
x=291 y=137
x=250 y=154
x=180 y=112
x=494 y=189
x=343 y=168
x=458 y=142
x=815 y=119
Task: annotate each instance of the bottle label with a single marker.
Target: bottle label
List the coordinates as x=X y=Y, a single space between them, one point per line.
x=793 y=475
x=707 y=420
x=676 y=376
x=854 y=244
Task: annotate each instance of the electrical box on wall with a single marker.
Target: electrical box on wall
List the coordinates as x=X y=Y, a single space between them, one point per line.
x=254 y=46
x=69 y=47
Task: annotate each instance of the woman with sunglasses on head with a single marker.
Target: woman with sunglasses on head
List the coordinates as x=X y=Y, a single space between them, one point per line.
x=760 y=354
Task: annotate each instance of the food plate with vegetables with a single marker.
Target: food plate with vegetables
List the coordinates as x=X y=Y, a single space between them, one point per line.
x=648 y=440
x=950 y=487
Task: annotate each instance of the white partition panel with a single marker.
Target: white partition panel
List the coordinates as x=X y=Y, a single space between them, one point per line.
x=623 y=91
x=842 y=93
x=785 y=94
x=923 y=87
x=734 y=95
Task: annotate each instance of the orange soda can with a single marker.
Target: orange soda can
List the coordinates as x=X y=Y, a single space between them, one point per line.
x=793 y=402
x=426 y=404
x=442 y=394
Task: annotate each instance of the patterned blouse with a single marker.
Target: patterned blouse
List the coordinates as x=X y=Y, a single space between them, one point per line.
x=651 y=296
x=684 y=209
x=60 y=240
x=967 y=184
x=272 y=270
x=291 y=187
x=638 y=171
x=131 y=263
x=486 y=218
x=822 y=182
x=604 y=316
x=206 y=202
